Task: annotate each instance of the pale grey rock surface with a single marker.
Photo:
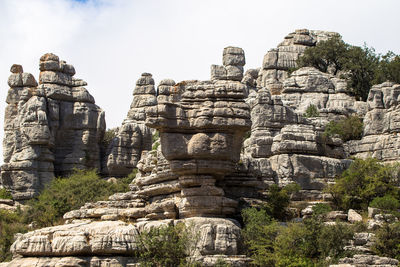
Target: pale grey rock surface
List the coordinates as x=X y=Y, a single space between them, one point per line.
x=133 y=136
x=277 y=61
x=50 y=128
x=362 y=260
x=381 y=125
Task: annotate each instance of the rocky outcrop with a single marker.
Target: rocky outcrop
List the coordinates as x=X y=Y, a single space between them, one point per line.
x=361 y=260
x=133 y=136
x=50 y=128
x=381 y=125
x=201 y=130
x=309 y=86
x=233 y=62
x=278 y=61
x=285 y=147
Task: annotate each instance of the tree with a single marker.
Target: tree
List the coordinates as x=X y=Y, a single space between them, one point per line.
x=326 y=54
x=350 y=128
x=361 y=65
x=358 y=65
x=363 y=181
x=388 y=69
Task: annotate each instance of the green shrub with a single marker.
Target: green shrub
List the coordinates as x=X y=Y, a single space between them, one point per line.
x=64 y=194
x=109 y=135
x=360 y=64
x=155 y=136
x=259 y=234
x=332 y=239
x=321 y=209
x=166 y=246
x=298 y=244
x=386 y=202
x=387 y=241
x=278 y=199
x=4 y=194
x=311 y=111
x=363 y=181
x=350 y=128
x=10 y=224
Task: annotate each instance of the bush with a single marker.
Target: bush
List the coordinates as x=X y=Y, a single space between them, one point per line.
x=311 y=111
x=4 y=194
x=350 y=128
x=155 y=138
x=64 y=194
x=297 y=244
x=363 y=181
x=259 y=234
x=386 y=202
x=278 y=199
x=388 y=69
x=10 y=224
x=108 y=137
x=387 y=241
x=332 y=239
x=166 y=246
x=361 y=66
x=321 y=209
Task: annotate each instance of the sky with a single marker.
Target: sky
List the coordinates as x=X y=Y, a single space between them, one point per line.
x=111 y=42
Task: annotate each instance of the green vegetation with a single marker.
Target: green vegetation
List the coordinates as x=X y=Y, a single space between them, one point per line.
x=308 y=243
x=58 y=197
x=109 y=135
x=386 y=203
x=166 y=246
x=311 y=111
x=4 y=194
x=361 y=66
x=155 y=140
x=350 y=128
x=321 y=209
x=278 y=200
x=387 y=241
x=65 y=194
x=10 y=224
x=363 y=182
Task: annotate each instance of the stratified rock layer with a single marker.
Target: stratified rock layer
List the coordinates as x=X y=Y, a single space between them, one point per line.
x=201 y=127
x=381 y=125
x=50 y=128
x=133 y=136
x=278 y=61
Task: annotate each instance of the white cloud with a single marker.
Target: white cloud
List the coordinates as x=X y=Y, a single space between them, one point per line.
x=111 y=43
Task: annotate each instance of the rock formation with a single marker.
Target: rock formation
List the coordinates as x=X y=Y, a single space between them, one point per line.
x=201 y=126
x=133 y=136
x=381 y=125
x=50 y=128
x=278 y=61
x=197 y=173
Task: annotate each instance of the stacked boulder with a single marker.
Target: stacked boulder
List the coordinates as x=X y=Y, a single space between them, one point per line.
x=76 y=123
x=285 y=147
x=201 y=126
x=201 y=136
x=28 y=161
x=50 y=128
x=233 y=62
x=381 y=125
x=278 y=61
x=133 y=136
x=309 y=86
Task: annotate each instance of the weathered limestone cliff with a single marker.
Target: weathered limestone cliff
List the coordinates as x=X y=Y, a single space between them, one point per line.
x=381 y=125
x=50 y=128
x=198 y=172
x=134 y=136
